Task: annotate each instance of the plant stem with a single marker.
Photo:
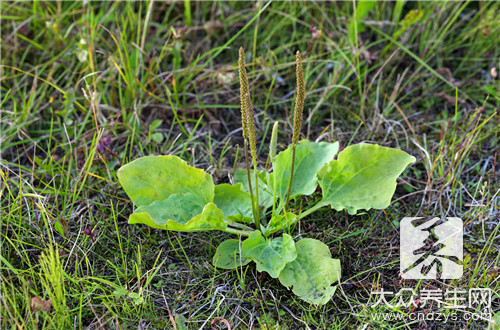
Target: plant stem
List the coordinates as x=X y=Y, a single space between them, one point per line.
x=257 y=220
x=240 y=225
x=311 y=210
x=291 y=177
x=255 y=214
x=306 y=213
x=238 y=232
x=274 y=198
x=272 y=157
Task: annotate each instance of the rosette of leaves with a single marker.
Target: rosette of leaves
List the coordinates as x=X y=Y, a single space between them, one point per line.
x=172 y=195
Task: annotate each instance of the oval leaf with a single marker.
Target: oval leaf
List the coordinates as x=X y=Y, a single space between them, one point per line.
x=309 y=159
x=177 y=207
x=270 y=255
x=265 y=191
x=233 y=202
x=154 y=178
x=363 y=177
x=157 y=216
x=312 y=273
x=228 y=255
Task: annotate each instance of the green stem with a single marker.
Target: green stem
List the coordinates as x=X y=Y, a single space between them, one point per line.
x=255 y=215
x=274 y=198
x=240 y=225
x=238 y=232
x=257 y=220
x=311 y=210
x=291 y=177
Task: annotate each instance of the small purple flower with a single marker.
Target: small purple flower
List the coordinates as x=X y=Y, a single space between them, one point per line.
x=104 y=143
x=107 y=140
x=100 y=147
x=89 y=232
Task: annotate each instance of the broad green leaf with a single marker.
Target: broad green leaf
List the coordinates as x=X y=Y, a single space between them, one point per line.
x=234 y=202
x=177 y=207
x=61 y=227
x=121 y=292
x=356 y=26
x=228 y=255
x=363 y=177
x=312 y=273
x=154 y=178
x=136 y=297
x=180 y=321
x=265 y=191
x=278 y=222
x=161 y=215
x=155 y=124
x=495 y=322
x=309 y=158
x=270 y=255
x=157 y=137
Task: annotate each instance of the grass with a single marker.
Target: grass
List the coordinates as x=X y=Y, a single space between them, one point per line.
x=89 y=86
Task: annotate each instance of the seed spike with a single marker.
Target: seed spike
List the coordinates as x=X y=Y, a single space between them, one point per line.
x=250 y=124
x=243 y=91
x=297 y=117
x=299 y=100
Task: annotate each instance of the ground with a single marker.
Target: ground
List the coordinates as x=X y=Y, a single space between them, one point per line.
x=89 y=86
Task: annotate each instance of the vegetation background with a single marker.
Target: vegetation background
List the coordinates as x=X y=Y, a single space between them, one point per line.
x=87 y=86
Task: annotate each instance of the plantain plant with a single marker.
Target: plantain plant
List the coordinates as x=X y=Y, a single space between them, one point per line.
x=169 y=194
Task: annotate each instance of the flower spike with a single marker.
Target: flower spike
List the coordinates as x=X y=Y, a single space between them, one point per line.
x=243 y=91
x=297 y=116
x=299 y=100
x=250 y=124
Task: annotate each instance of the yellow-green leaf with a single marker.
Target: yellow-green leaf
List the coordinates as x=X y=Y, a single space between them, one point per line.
x=154 y=178
x=270 y=255
x=312 y=273
x=210 y=218
x=234 y=202
x=363 y=177
x=265 y=191
x=278 y=222
x=309 y=159
x=228 y=255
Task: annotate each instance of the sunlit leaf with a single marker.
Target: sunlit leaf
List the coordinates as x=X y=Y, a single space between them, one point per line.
x=312 y=273
x=154 y=178
x=270 y=255
x=363 y=177
x=309 y=158
x=228 y=255
x=356 y=26
x=234 y=202
x=265 y=191
x=164 y=215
